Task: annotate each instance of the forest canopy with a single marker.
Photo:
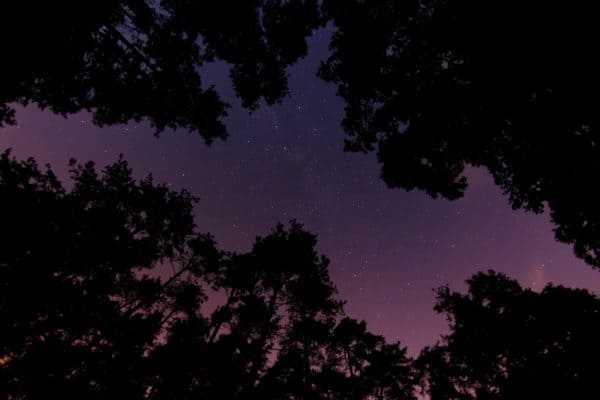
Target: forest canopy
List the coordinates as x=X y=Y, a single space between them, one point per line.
x=109 y=290
x=433 y=87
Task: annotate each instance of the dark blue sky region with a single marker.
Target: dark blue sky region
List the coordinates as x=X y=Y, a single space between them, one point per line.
x=389 y=248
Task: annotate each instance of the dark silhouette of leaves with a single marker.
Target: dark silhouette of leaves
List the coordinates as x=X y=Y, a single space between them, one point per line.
x=135 y=59
x=507 y=342
x=435 y=86
x=79 y=306
x=107 y=290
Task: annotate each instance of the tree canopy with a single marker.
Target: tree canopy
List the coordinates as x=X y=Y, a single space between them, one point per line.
x=140 y=59
x=508 y=342
x=432 y=86
x=108 y=290
x=438 y=85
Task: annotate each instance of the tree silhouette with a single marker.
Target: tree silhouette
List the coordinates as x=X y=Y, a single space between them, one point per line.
x=507 y=342
x=360 y=365
x=434 y=86
x=107 y=290
x=135 y=59
x=79 y=306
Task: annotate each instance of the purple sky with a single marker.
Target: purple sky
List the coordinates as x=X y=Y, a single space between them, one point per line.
x=389 y=248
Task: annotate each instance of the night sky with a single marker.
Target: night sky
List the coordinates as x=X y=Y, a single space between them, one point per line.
x=389 y=248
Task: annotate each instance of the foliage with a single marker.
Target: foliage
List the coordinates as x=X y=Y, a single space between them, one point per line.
x=507 y=342
x=135 y=59
x=107 y=290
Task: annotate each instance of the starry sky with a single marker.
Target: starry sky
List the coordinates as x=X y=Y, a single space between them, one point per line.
x=389 y=248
